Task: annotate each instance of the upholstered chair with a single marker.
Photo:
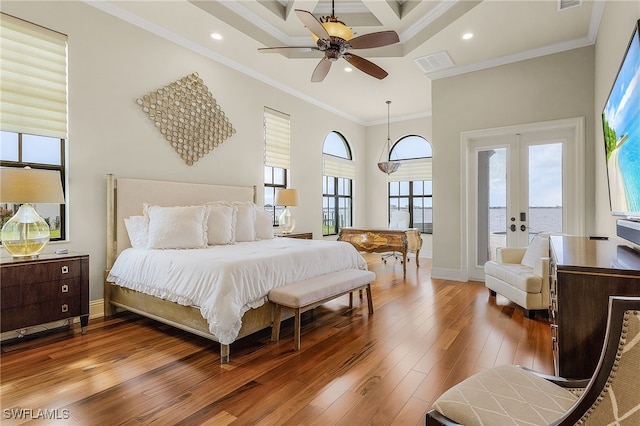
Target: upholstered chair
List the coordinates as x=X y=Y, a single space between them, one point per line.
x=522 y=275
x=510 y=395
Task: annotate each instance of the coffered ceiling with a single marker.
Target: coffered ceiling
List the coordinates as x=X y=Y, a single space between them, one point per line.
x=431 y=42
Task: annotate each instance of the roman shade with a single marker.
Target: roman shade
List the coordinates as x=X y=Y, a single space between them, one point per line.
x=277 y=135
x=338 y=167
x=412 y=170
x=33 y=79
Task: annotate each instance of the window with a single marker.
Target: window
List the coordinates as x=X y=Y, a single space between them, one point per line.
x=410 y=188
x=277 y=137
x=338 y=172
x=33 y=107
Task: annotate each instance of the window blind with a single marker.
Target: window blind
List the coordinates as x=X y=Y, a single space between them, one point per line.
x=411 y=170
x=33 y=79
x=338 y=167
x=277 y=135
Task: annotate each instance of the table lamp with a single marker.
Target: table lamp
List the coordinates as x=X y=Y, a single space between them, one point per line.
x=286 y=198
x=26 y=233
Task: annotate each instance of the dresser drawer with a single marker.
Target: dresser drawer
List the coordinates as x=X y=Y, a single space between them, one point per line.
x=39 y=292
x=28 y=274
x=39 y=313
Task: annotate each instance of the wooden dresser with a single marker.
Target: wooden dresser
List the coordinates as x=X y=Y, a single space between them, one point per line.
x=44 y=289
x=382 y=240
x=584 y=273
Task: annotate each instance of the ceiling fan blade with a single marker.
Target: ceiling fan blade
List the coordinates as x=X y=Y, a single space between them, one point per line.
x=321 y=71
x=366 y=66
x=379 y=39
x=287 y=49
x=312 y=24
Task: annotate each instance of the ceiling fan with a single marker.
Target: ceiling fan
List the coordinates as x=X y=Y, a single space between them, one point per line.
x=335 y=39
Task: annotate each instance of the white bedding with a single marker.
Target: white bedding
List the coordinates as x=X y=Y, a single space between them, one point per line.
x=226 y=281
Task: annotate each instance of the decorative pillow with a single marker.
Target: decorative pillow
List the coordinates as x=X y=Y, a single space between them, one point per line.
x=264 y=225
x=221 y=224
x=138 y=230
x=177 y=227
x=245 y=219
x=538 y=247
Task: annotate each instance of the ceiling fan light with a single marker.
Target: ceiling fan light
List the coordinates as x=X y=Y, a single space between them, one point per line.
x=336 y=29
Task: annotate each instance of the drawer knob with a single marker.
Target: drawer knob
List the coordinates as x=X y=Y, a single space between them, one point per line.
x=65 y=308
x=65 y=288
x=65 y=269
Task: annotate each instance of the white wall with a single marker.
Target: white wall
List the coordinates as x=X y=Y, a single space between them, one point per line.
x=616 y=26
x=111 y=63
x=542 y=89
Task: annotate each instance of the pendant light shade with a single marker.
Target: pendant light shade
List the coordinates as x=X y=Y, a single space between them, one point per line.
x=387 y=166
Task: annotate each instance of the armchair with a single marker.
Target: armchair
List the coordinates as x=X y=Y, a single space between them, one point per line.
x=514 y=395
x=521 y=275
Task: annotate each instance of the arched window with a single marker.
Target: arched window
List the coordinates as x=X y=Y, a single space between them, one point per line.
x=410 y=188
x=338 y=173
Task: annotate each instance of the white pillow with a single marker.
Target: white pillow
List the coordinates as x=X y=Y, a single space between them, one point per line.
x=221 y=224
x=245 y=219
x=177 y=227
x=264 y=225
x=138 y=231
x=538 y=247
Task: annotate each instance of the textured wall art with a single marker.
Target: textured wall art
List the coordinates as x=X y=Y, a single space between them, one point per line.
x=188 y=117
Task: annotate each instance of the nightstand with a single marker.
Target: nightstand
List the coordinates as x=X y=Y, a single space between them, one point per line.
x=44 y=289
x=299 y=235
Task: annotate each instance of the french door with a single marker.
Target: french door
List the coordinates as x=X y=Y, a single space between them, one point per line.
x=519 y=183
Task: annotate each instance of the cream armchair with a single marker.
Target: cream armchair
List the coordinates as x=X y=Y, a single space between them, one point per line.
x=521 y=275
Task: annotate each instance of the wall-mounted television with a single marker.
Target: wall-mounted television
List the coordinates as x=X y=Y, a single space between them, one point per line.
x=621 y=126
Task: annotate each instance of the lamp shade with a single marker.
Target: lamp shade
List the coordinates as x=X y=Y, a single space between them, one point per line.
x=286 y=197
x=30 y=186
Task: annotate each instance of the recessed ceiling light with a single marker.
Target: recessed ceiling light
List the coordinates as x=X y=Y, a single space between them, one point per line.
x=348 y=69
x=467 y=36
x=215 y=36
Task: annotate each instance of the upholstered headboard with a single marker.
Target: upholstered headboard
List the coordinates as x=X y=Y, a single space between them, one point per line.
x=126 y=197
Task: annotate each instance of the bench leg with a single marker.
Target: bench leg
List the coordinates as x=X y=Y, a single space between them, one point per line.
x=275 y=329
x=351 y=300
x=369 y=299
x=296 y=330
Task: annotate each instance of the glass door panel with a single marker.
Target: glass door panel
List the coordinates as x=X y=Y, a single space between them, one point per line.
x=545 y=188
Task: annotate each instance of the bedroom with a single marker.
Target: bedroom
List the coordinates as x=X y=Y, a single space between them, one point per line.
x=108 y=70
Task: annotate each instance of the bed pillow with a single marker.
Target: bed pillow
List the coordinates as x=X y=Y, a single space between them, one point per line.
x=263 y=225
x=221 y=224
x=138 y=231
x=245 y=221
x=180 y=227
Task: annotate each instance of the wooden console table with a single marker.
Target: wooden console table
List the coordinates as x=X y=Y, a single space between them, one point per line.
x=584 y=273
x=382 y=240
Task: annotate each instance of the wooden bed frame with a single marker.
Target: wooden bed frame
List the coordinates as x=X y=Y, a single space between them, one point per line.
x=125 y=197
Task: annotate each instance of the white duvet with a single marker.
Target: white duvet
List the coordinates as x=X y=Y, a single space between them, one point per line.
x=226 y=281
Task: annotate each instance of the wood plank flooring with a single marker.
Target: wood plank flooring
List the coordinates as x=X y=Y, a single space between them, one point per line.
x=353 y=369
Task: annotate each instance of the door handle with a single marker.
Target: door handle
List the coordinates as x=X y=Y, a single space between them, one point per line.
x=513 y=227
x=522 y=227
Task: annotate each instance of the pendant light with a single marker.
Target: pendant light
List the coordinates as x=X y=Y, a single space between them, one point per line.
x=387 y=166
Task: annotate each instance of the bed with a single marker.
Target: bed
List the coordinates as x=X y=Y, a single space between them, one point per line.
x=217 y=291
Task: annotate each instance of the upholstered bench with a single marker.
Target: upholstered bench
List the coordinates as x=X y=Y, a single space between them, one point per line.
x=304 y=295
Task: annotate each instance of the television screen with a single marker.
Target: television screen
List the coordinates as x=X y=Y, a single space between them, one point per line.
x=621 y=125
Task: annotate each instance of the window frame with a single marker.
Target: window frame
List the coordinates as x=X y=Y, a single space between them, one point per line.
x=271 y=187
x=336 y=201
x=411 y=197
x=61 y=168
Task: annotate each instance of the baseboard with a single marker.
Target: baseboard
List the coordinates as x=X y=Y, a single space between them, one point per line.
x=449 y=274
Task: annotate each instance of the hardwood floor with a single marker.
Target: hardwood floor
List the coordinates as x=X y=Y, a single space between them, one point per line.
x=386 y=369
